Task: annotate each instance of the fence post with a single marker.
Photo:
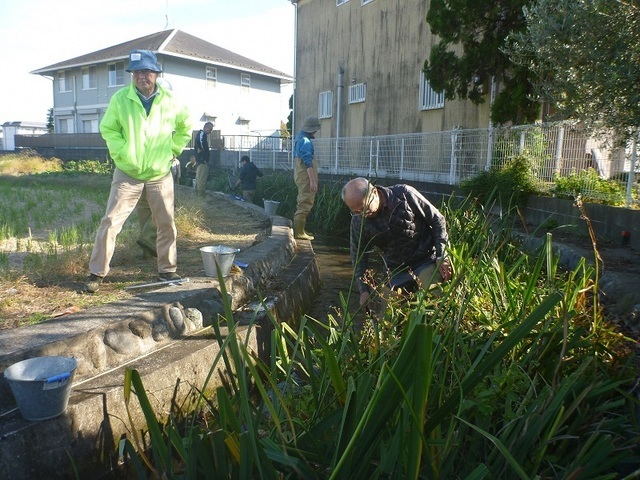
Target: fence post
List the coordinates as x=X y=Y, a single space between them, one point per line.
x=453 y=166
x=490 y=138
x=489 y=147
x=631 y=178
x=401 y=158
x=558 y=167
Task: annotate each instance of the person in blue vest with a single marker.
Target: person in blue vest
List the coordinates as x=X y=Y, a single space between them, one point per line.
x=305 y=176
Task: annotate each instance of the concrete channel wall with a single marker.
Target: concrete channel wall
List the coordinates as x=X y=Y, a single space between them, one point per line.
x=164 y=335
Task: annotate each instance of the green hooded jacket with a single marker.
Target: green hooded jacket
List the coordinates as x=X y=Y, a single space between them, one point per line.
x=143 y=146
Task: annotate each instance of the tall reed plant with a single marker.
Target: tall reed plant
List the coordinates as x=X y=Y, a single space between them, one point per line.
x=503 y=374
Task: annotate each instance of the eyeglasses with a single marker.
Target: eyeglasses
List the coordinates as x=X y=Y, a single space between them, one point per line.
x=367 y=208
x=141 y=73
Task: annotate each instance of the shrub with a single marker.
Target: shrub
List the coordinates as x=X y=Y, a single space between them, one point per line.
x=511 y=184
x=89 y=166
x=28 y=162
x=588 y=184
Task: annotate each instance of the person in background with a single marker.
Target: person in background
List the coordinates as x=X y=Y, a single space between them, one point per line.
x=408 y=230
x=144 y=128
x=191 y=169
x=305 y=176
x=247 y=178
x=202 y=158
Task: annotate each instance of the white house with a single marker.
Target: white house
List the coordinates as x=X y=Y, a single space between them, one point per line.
x=10 y=129
x=237 y=94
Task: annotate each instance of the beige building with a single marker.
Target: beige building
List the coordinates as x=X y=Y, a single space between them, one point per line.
x=359 y=69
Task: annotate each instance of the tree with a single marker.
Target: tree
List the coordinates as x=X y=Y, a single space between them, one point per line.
x=50 y=120
x=470 y=52
x=290 y=117
x=585 y=60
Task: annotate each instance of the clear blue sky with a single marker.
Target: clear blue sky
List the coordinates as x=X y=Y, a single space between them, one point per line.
x=37 y=33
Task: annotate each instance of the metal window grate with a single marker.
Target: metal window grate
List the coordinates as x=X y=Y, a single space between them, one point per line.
x=325 y=104
x=429 y=99
x=357 y=93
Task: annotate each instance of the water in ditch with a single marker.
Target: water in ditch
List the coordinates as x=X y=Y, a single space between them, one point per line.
x=336 y=273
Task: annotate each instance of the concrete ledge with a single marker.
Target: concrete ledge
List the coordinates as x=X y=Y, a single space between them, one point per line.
x=106 y=336
x=617 y=289
x=283 y=272
x=96 y=417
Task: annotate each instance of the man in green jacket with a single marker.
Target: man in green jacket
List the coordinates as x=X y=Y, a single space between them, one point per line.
x=144 y=128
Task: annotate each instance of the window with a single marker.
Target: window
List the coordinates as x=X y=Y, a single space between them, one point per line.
x=65 y=125
x=116 y=74
x=245 y=80
x=340 y=2
x=64 y=81
x=357 y=93
x=89 y=78
x=429 y=99
x=325 y=104
x=211 y=77
x=364 y=2
x=89 y=124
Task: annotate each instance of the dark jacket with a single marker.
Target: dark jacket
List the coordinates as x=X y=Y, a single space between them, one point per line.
x=248 y=175
x=408 y=230
x=202 y=147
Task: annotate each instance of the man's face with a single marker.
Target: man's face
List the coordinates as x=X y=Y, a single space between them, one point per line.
x=145 y=81
x=367 y=206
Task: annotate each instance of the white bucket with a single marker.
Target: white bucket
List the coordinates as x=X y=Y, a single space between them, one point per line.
x=218 y=257
x=41 y=385
x=271 y=206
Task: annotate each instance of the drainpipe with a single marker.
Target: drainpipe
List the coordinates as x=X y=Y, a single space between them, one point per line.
x=293 y=102
x=76 y=123
x=338 y=103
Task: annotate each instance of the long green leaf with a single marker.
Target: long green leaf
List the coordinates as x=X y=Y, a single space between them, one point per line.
x=475 y=376
x=394 y=383
x=512 y=461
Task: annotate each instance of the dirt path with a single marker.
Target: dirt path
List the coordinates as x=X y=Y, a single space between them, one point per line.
x=44 y=286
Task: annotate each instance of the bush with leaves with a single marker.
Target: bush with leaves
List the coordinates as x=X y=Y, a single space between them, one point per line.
x=89 y=166
x=591 y=188
x=511 y=184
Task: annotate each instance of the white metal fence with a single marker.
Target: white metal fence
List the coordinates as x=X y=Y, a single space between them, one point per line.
x=449 y=157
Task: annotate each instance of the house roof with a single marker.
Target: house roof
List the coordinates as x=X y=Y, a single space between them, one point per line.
x=172 y=43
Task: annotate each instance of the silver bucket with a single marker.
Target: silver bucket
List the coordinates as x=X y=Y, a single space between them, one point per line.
x=271 y=206
x=41 y=385
x=218 y=257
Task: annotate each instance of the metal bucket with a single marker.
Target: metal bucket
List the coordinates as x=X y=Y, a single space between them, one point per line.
x=271 y=206
x=218 y=257
x=41 y=385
